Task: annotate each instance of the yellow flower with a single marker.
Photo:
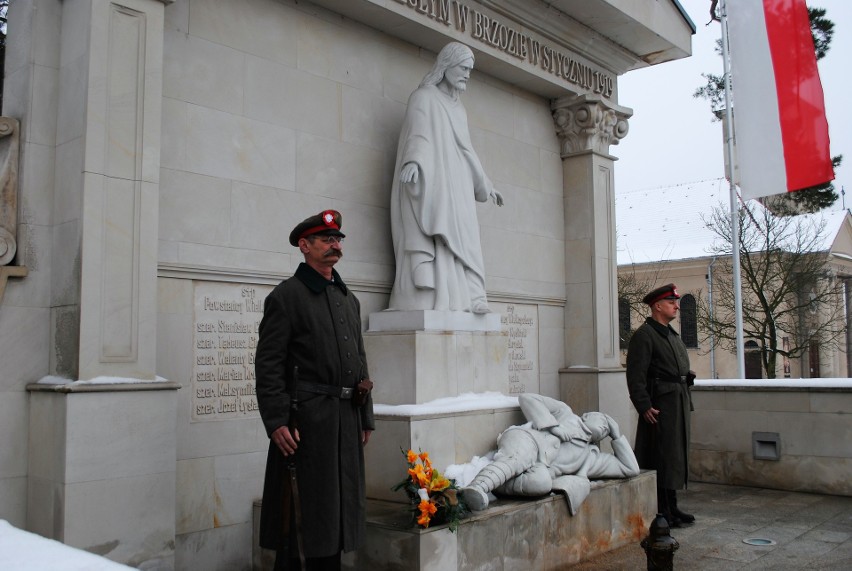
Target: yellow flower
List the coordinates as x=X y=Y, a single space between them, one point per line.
x=438 y=482
x=411 y=456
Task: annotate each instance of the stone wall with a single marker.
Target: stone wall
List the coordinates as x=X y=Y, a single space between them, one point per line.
x=814 y=435
x=273 y=111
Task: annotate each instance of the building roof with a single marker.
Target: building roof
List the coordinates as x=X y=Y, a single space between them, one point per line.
x=665 y=224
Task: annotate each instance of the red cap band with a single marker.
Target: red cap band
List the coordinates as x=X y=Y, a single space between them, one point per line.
x=328 y=224
x=670 y=293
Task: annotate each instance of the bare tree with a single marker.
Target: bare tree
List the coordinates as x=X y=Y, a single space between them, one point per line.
x=789 y=289
x=632 y=287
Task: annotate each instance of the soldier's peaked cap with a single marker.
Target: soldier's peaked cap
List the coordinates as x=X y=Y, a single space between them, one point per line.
x=668 y=291
x=327 y=222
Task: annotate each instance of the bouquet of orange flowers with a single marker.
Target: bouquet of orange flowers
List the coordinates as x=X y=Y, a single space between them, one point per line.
x=434 y=498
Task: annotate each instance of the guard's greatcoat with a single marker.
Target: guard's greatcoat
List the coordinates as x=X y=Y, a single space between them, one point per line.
x=657 y=361
x=314 y=324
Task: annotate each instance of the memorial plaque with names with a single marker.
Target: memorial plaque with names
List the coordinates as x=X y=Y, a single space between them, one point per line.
x=520 y=322
x=226 y=320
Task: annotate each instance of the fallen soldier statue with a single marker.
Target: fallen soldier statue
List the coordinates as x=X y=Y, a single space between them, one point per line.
x=556 y=451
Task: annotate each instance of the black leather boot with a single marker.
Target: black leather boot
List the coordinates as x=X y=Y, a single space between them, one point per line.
x=664 y=508
x=677 y=512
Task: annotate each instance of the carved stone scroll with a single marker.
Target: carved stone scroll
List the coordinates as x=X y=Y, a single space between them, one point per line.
x=9 y=145
x=589 y=123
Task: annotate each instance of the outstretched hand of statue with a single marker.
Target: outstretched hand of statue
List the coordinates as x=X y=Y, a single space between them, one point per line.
x=409 y=173
x=496 y=197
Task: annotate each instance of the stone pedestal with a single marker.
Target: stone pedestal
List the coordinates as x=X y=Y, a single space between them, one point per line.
x=420 y=356
x=417 y=357
x=102 y=469
x=512 y=534
x=450 y=438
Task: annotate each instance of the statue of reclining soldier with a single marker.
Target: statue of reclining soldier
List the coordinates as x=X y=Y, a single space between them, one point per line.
x=555 y=451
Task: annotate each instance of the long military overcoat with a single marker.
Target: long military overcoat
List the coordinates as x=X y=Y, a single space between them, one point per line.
x=314 y=324
x=656 y=361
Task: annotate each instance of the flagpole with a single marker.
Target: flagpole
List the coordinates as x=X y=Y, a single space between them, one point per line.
x=735 y=220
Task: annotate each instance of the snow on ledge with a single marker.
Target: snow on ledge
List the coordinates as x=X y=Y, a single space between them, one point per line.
x=840 y=383
x=462 y=403
x=53 y=380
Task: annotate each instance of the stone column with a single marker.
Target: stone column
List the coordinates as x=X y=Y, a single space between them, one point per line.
x=107 y=186
x=593 y=378
x=101 y=466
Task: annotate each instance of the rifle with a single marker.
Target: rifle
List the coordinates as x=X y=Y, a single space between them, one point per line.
x=291 y=486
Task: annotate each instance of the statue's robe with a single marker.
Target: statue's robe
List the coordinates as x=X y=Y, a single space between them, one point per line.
x=433 y=221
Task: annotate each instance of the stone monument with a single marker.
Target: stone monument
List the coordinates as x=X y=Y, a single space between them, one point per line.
x=555 y=451
x=438 y=338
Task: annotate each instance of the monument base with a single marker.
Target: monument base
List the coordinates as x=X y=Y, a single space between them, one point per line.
x=433 y=320
x=416 y=367
x=449 y=438
x=512 y=534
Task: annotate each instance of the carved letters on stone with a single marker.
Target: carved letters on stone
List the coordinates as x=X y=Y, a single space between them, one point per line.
x=494 y=31
x=224 y=343
x=521 y=324
x=588 y=123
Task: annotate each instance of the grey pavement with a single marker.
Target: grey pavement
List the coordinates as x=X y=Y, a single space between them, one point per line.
x=810 y=531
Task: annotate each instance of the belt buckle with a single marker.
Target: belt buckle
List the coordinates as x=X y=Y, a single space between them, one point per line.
x=346 y=392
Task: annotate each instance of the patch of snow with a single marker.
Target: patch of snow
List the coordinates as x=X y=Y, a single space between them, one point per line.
x=53 y=380
x=24 y=551
x=777 y=383
x=462 y=403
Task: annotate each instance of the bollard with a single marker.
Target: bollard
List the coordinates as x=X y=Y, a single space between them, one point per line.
x=659 y=545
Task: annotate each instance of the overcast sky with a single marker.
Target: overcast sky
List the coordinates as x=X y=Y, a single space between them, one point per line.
x=672 y=139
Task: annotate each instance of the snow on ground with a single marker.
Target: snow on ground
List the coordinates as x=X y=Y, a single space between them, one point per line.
x=24 y=551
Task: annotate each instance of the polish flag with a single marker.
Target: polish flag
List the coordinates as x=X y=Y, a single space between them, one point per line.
x=780 y=128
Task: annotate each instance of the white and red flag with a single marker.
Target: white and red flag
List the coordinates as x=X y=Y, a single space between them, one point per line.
x=780 y=128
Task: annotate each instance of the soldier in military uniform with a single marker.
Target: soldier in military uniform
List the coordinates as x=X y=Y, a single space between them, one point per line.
x=312 y=321
x=659 y=381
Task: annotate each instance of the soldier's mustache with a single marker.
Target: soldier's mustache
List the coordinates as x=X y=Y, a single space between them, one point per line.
x=333 y=252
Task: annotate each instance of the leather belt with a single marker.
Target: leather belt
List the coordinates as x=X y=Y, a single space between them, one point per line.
x=344 y=393
x=673 y=379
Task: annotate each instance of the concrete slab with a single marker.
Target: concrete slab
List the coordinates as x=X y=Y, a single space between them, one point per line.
x=811 y=531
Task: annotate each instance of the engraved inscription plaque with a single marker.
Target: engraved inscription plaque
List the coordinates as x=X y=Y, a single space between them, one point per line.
x=224 y=341
x=520 y=322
